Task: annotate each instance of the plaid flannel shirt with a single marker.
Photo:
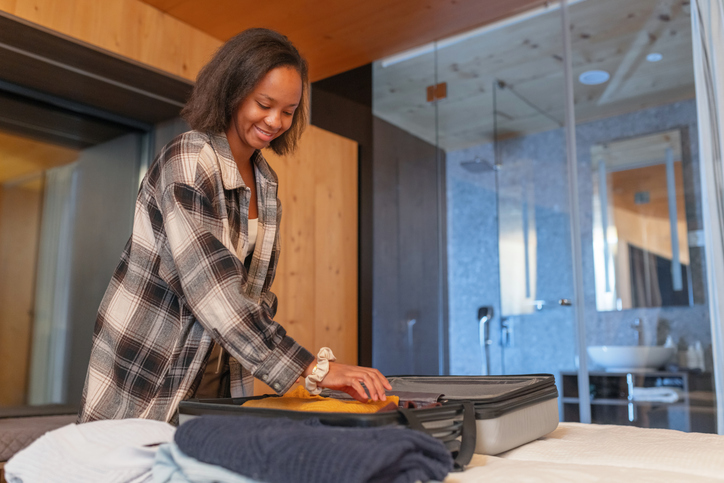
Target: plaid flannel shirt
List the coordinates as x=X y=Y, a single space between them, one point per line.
x=180 y=285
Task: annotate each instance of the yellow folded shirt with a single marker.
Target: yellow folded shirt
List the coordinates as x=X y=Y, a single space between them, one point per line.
x=299 y=399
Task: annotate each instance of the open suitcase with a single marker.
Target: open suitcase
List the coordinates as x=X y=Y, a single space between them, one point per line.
x=479 y=414
x=509 y=410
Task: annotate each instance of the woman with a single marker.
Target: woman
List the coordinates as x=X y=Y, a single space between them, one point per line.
x=193 y=279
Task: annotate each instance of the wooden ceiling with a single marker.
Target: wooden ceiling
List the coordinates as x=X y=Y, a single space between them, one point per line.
x=339 y=35
x=612 y=35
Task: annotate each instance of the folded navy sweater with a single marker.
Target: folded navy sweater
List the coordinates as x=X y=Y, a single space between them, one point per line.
x=282 y=450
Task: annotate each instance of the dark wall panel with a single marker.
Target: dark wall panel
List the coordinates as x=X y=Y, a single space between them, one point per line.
x=46 y=61
x=407 y=271
x=37 y=120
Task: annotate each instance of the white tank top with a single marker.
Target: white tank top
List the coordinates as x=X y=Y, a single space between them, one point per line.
x=253 y=229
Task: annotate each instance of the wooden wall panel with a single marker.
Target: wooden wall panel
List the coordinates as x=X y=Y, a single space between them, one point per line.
x=335 y=227
x=19 y=226
x=295 y=275
x=126 y=27
x=8 y=5
x=316 y=280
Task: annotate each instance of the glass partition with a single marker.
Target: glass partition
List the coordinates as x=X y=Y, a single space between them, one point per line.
x=65 y=215
x=498 y=93
x=497 y=96
x=409 y=335
x=647 y=322
x=23 y=187
x=508 y=232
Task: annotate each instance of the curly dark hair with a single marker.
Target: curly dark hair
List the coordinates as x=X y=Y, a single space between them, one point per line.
x=237 y=67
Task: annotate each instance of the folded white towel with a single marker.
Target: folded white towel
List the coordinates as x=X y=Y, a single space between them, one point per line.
x=657 y=394
x=112 y=451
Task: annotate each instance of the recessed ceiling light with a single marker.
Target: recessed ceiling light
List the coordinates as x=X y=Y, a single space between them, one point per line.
x=654 y=57
x=593 y=77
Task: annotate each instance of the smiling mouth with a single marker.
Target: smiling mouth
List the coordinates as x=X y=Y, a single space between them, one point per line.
x=265 y=133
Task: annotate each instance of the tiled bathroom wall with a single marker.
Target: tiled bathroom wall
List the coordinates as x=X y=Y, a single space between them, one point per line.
x=544 y=341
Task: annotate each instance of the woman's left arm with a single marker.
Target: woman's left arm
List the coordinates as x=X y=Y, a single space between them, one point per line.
x=210 y=278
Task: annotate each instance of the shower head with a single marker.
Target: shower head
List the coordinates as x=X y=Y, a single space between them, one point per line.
x=478 y=165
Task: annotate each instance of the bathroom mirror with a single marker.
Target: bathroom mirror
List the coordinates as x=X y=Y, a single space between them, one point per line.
x=640 y=248
x=518 y=245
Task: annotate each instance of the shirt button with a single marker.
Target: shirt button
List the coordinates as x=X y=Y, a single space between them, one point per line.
x=265 y=377
x=276 y=386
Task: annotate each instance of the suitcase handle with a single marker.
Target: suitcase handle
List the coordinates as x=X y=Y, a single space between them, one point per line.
x=469 y=433
x=467 y=436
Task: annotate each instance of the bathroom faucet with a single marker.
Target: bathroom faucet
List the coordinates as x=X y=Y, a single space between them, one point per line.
x=639 y=328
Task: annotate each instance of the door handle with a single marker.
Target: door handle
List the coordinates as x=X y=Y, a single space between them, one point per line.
x=565 y=302
x=539 y=304
x=485 y=315
x=506 y=331
x=410 y=325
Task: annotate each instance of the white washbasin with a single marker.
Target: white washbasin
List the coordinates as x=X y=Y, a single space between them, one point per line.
x=628 y=358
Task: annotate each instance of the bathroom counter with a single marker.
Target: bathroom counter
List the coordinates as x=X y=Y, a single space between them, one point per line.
x=610 y=402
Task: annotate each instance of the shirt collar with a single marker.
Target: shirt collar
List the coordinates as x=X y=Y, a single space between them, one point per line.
x=230 y=175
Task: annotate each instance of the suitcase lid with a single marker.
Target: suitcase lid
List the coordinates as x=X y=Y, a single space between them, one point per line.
x=491 y=395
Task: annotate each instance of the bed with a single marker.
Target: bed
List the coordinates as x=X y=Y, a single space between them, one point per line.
x=584 y=453
x=589 y=453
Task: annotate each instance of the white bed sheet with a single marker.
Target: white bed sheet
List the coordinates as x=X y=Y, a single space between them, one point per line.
x=591 y=453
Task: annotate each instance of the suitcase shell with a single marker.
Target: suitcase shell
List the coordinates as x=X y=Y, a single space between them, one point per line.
x=509 y=410
x=481 y=414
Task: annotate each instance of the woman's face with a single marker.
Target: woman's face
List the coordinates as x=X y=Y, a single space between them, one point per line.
x=267 y=112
